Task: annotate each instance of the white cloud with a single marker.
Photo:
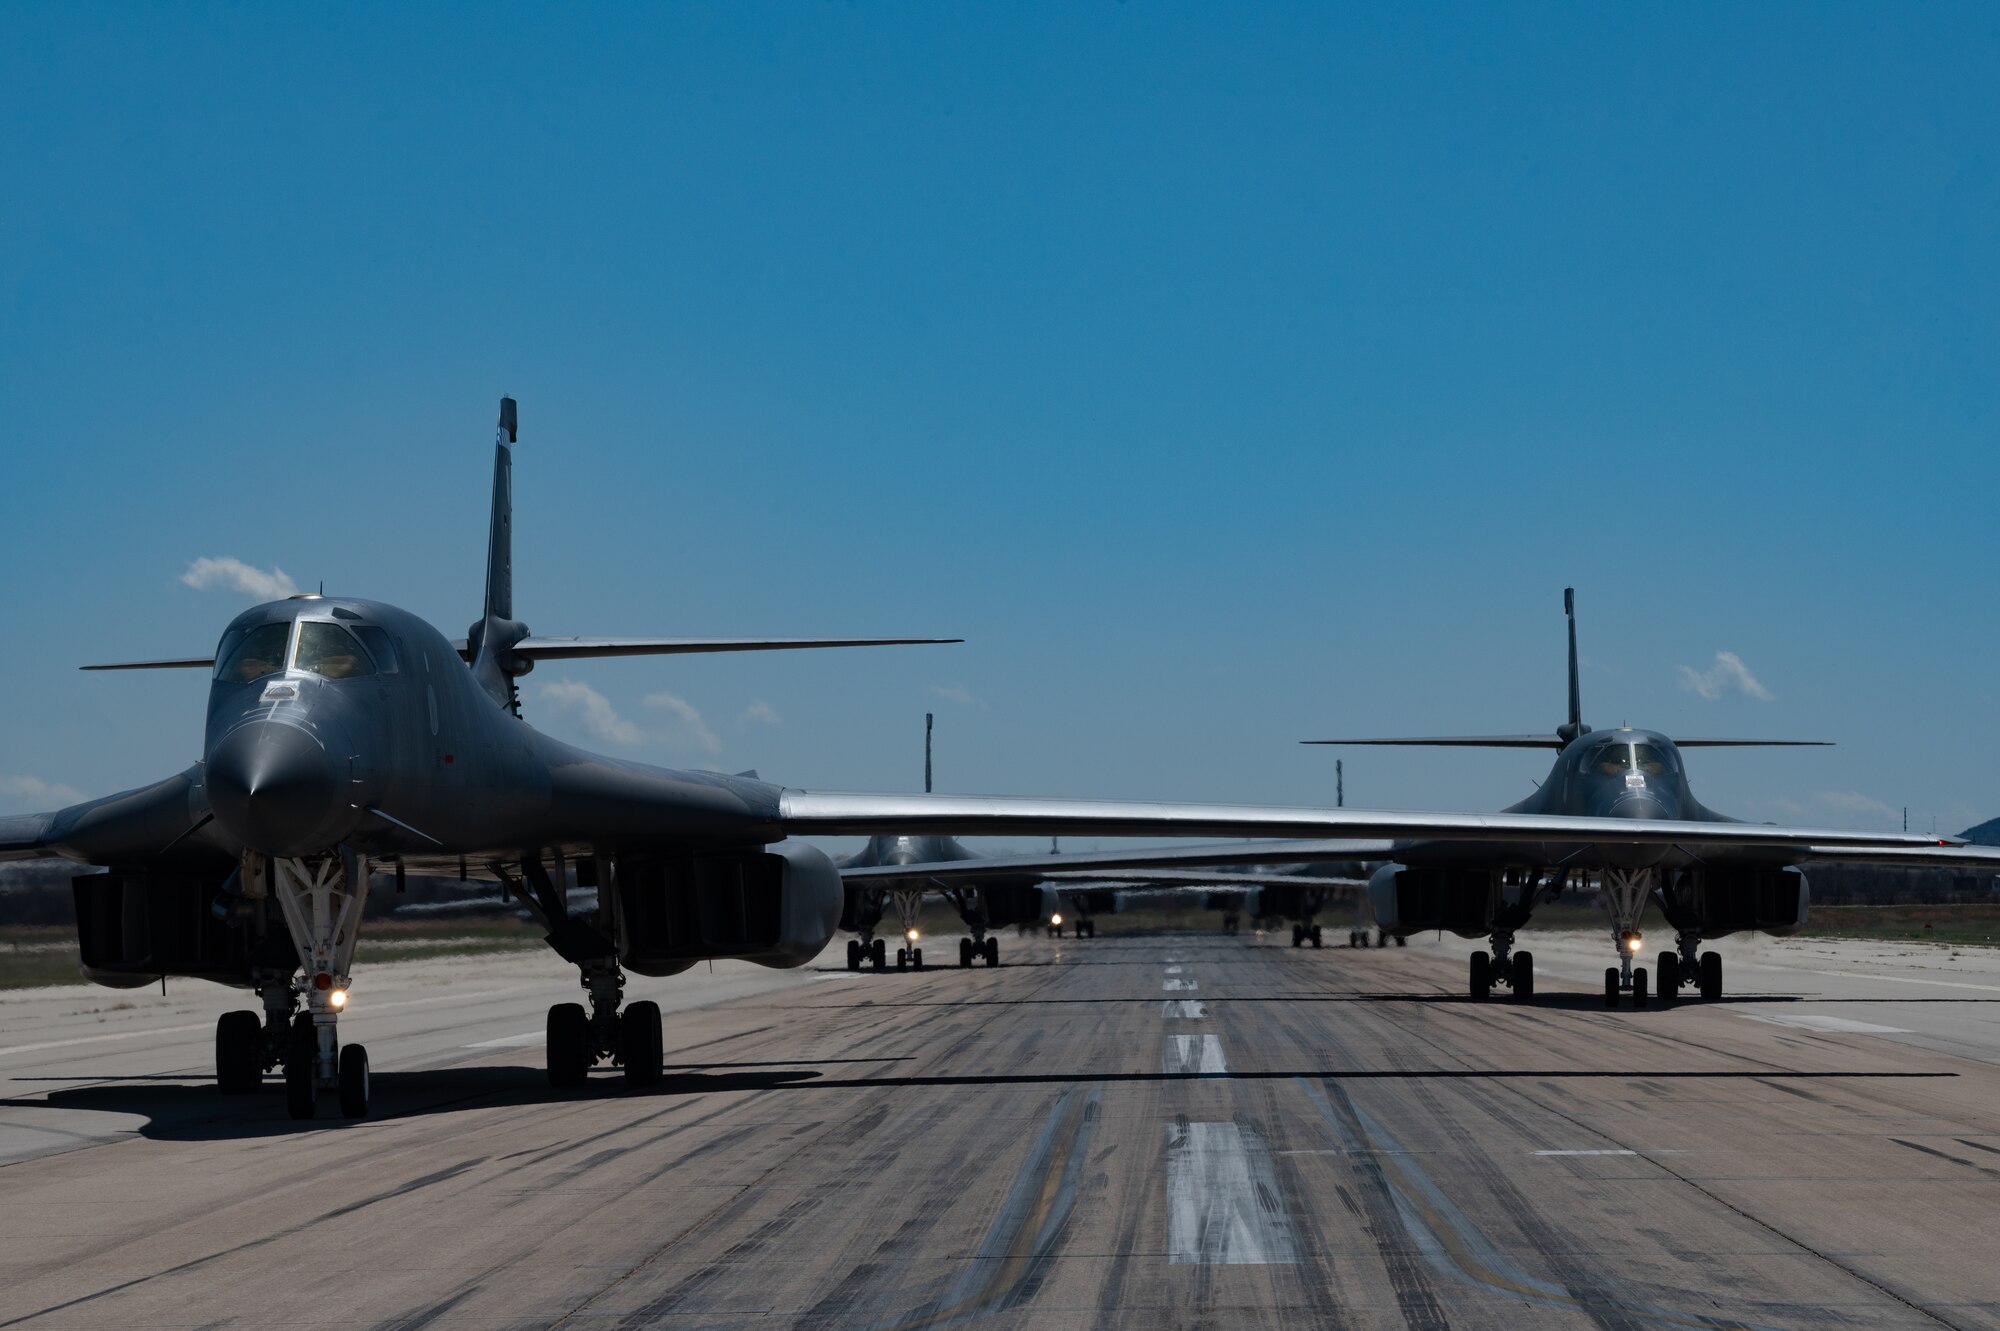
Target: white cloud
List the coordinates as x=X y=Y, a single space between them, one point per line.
x=694 y=730
x=1728 y=673
x=258 y=584
x=957 y=693
x=599 y=717
x=761 y=711
x=43 y=795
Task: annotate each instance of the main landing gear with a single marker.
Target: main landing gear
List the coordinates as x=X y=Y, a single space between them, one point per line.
x=631 y=1038
x=976 y=949
x=1514 y=969
x=1688 y=969
x=869 y=951
x=1305 y=933
x=321 y=901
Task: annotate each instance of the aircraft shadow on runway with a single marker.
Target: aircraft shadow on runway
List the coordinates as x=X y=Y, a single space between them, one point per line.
x=192 y=1111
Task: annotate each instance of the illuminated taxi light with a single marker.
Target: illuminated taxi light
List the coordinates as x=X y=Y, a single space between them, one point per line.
x=1632 y=943
x=910 y=934
x=338 y=998
x=1056 y=919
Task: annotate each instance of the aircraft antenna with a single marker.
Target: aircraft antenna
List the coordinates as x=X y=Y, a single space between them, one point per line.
x=928 y=718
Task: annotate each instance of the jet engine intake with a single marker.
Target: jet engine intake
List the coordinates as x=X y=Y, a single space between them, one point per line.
x=775 y=905
x=132 y=928
x=1414 y=900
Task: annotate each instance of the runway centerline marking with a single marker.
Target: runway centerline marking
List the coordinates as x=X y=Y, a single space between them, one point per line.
x=1173 y=970
x=1191 y=1009
x=1223 y=1206
x=1183 y=1054
x=1171 y=985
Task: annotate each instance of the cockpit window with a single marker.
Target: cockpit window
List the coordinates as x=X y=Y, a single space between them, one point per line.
x=1652 y=761
x=330 y=650
x=252 y=654
x=379 y=646
x=1612 y=760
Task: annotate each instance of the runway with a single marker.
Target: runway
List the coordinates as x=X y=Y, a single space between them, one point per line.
x=1119 y=1132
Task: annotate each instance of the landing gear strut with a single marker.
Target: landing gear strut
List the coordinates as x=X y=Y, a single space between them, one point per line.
x=1625 y=893
x=578 y=1040
x=321 y=900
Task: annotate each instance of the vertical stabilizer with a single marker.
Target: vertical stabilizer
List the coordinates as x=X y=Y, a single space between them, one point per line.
x=495 y=664
x=500 y=535
x=1574 y=726
x=928 y=718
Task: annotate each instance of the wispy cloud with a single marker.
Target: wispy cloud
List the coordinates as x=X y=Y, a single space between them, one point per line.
x=33 y=790
x=693 y=730
x=1855 y=804
x=1729 y=673
x=258 y=584
x=593 y=709
x=761 y=712
x=957 y=693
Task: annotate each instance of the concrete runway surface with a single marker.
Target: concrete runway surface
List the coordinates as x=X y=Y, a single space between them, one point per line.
x=1157 y=1131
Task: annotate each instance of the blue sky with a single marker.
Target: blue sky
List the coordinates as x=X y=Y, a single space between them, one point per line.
x=1227 y=375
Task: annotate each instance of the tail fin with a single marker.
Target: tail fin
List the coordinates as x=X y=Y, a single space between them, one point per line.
x=928 y=718
x=491 y=642
x=1574 y=726
x=500 y=536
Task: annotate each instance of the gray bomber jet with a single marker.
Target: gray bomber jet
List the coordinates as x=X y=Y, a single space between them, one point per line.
x=345 y=734
x=1718 y=876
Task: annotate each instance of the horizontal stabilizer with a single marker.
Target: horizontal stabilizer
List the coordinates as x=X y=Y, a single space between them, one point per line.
x=1544 y=741
x=1680 y=743
x=173 y=663
x=576 y=649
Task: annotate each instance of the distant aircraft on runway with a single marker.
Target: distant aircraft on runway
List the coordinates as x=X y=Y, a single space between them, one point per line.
x=343 y=734
x=1720 y=876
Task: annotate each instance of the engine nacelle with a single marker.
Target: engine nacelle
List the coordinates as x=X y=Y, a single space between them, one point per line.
x=776 y=905
x=1413 y=900
x=1767 y=900
x=134 y=927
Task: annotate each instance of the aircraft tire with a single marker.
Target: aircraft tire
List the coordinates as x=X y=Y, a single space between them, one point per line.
x=239 y=1063
x=1639 y=996
x=992 y=951
x=1315 y=935
x=639 y=1043
x=965 y=953
x=1711 y=976
x=1524 y=976
x=1481 y=968
x=1669 y=971
x=301 y=1070
x=881 y=953
x=854 y=954
x=902 y=958
x=1353 y=938
x=353 y=1082
x=569 y=1052
x=1298 y=935
x=1611 y=986
x=917 y=958
x=1400 y=941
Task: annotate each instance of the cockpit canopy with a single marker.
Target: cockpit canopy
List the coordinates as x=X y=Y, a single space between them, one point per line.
x=321 y=647
x=1616 y=757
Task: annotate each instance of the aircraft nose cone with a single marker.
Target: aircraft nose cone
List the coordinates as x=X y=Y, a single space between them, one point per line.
x=273 y=787
x=1642 y=804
